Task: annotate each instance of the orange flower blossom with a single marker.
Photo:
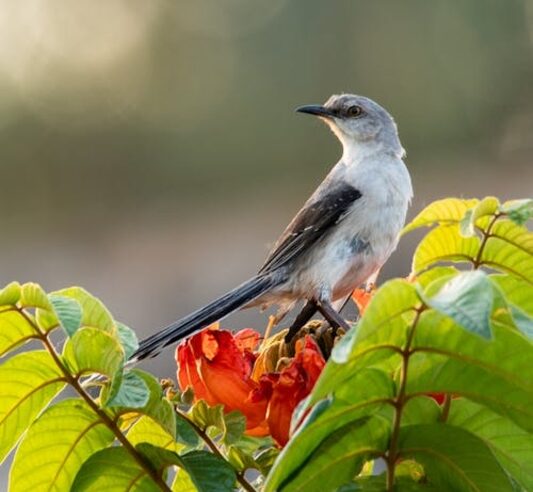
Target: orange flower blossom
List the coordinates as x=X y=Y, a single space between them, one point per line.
x=218 y=366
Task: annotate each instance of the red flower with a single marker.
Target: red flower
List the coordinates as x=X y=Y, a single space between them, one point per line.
x=289 y=387
x=218 y=367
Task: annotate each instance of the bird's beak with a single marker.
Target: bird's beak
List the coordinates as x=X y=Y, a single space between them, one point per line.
x=316 y=110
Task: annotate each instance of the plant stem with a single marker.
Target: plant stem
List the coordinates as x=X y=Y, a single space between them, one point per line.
x=73 y=381
x=215 y=450
x=446 y=407
x=399 y=403
x=486 y=235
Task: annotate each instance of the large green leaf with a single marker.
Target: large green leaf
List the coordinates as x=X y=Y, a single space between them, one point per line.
x=113 y=470
x=446 y=211
x=92 y=350
x=149 y=431
x=512 y=446
x=497 y=373
x=338 y=458
x=453 y=458
x=349 y=402
x=208 y=472
x=516 y=291
x=56 y=446
x=444 y=244
x=28 y=382
x=15 y=329
x=467 y=298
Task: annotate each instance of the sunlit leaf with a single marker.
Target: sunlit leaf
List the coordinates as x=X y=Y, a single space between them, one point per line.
x=453 y=458
x=28 y=383
x=95 y=314
x=487 y=206
x=92 y=350
x=10 y=294
x=33 y=296
x=113 y=470
x=149 y=431
x=445 y=244
x=448 y=210
x=56 y=445
x=16 y=329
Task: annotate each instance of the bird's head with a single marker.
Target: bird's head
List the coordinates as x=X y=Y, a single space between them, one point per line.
x=357 y=120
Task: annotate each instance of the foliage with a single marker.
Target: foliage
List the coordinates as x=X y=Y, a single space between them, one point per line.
x=458 y=331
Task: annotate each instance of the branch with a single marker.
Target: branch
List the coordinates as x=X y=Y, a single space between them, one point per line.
x=215 y=450
x=111 y=425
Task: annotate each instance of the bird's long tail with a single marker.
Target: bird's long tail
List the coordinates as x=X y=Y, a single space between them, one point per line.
x=214 y=311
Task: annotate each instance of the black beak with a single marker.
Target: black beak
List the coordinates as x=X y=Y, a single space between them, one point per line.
x=316 y=110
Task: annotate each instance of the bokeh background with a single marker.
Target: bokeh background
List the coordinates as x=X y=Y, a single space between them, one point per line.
x=149 y=150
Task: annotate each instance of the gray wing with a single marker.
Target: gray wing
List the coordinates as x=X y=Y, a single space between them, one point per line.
x=313 y=221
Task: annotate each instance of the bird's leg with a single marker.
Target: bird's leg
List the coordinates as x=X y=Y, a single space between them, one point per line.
x=332 y=316
x=303 y=317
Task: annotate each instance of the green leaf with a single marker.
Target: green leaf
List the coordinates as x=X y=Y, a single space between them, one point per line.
x=92 y=350
x=498 y=373
x=338 y=458
x=33 y=296
x=149 y=431
x=208 y=472
x=158 y=407
x=519 y=211
x=445 y=244
x=448 y=210
x=516 y=291
x=428 y=277
x=487 y=206
x=113 y=470
x=453 y=458
x=362 y=395
x=56 y=445
x=185 y=432
x=231 y=425
x=10 y=294
x=376 y=483
x=15 y=330
x=467 y=298
x=512 y=446
x=95 y=314
x=130 y=391
x=421 y=410
x=128 y=339
x=29 y=381
x=68 y=312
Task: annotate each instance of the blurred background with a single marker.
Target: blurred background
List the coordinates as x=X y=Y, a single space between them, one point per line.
x=149 y=150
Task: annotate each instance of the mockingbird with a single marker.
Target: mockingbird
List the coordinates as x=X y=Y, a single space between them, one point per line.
x=339 y=239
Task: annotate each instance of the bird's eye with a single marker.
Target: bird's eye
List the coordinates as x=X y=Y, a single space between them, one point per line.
x=354 y=111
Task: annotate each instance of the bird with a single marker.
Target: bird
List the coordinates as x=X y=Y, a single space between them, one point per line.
x=340 y=238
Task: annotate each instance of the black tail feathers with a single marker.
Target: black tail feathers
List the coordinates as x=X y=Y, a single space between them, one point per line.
x=214 y=311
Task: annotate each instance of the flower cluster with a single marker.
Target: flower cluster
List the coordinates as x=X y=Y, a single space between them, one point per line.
x=227 y=368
